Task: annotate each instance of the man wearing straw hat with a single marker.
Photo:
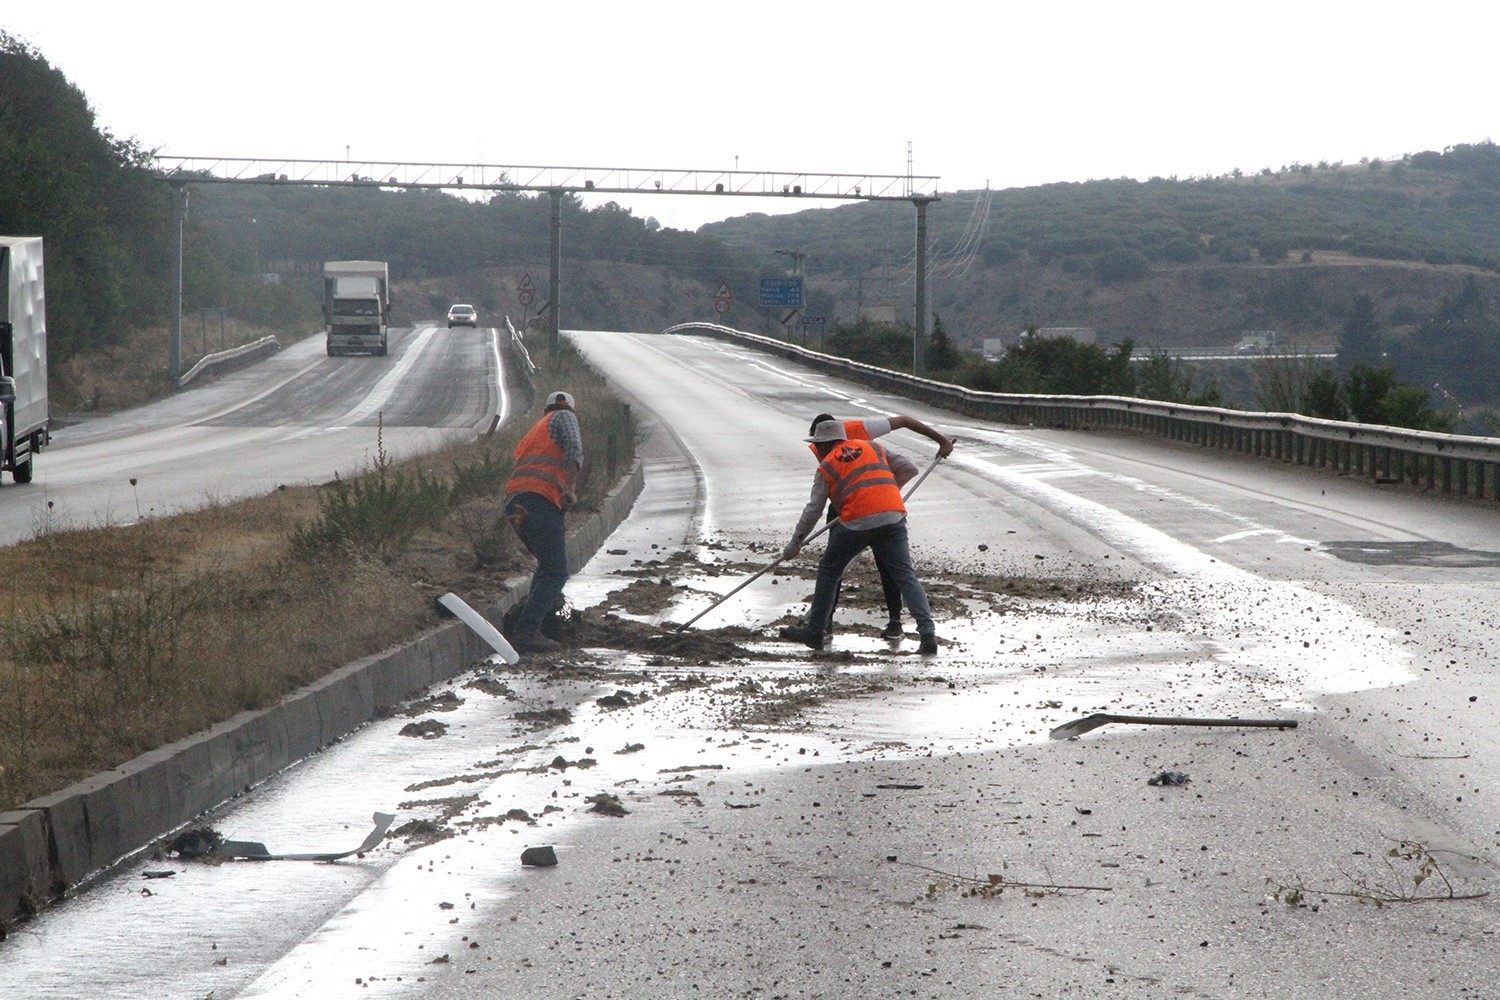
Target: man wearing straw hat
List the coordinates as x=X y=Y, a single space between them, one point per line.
x=862 y=481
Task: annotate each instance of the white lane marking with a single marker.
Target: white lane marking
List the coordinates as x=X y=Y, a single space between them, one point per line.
x=1289 y=640
x=383 y=390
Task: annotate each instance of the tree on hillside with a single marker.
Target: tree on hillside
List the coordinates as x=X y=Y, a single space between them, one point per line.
x=1161 y=376
x=1282 y=382
x=1361 y=341
x=1324 y=396
x=887 y=345
x=104 y=219
x=1064 y=366
x=942 y=356
x=1457 y=351
x=1376 y=397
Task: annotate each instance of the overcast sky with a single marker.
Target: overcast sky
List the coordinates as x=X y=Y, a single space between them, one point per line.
x=999 y=94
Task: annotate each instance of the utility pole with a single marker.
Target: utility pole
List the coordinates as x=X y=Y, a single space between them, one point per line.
x=174 y=341
x=919 y=328
x=797 y=272
x=556 y=269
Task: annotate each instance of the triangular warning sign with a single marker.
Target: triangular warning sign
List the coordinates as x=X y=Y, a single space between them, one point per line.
x=723 y=292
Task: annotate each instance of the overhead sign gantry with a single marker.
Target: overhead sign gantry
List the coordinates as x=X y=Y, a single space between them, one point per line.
x=180 y=171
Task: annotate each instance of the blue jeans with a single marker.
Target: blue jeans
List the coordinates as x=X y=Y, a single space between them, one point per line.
x=889 y=546
x=539 y=525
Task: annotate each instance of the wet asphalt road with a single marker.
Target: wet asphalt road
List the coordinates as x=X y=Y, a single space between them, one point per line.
x=828 y=860
x=298 y=417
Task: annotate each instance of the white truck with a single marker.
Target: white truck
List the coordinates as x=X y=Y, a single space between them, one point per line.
x=23 y=355
x=356 y=306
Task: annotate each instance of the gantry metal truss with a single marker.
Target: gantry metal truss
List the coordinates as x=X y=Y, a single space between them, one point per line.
x=569 y=180
x=182 y=171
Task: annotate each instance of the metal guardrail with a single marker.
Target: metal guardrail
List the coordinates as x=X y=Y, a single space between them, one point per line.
x=1457 y=464
x=231 y=358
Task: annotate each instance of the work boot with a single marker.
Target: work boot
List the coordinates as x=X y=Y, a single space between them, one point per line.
x=892 y=629
x=928 y=645
x=807 y=635
x=535 y=643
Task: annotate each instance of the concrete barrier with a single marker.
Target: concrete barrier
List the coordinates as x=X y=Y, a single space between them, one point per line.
x=58 y=842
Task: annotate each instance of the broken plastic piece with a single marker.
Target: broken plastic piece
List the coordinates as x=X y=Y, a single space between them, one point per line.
x=481 y=625
x=1089 y=723
x=251 y=850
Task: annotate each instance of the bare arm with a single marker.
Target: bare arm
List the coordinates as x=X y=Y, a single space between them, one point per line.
x=945 y=443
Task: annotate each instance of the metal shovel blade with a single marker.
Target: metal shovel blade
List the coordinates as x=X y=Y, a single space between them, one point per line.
x=1089 y=723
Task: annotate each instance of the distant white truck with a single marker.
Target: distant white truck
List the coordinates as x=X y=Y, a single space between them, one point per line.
x=24 y=417
x=357 y=306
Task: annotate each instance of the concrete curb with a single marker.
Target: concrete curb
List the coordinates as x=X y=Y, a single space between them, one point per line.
x=63 y=840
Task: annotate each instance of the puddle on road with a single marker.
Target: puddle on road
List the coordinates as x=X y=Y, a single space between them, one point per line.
x=1441 y=554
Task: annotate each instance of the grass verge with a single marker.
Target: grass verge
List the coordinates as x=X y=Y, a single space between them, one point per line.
x=114 y=641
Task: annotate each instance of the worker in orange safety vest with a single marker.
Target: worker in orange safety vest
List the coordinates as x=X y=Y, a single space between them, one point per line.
x=867 y=429
x=548 y=461
x=861 y=481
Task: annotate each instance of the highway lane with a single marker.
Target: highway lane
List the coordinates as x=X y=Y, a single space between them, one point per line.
x=298 y=417
x=1366 y=613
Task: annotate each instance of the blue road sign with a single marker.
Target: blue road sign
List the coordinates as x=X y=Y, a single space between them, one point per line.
x=781 y=292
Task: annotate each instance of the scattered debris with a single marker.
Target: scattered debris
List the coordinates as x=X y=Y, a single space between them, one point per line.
x=620 y=699
x=427 y=729
x=491 y=686
x=1169 y=778
x=443 y=701
x=1089 y=723
x=1408 y=866
x=158 y=873
x=631 y=748
x=545 y=718
x=250 y=850
x=539 y=857
x=562 y=763
x=992 y=885
x=195 y=843
x=607 y=804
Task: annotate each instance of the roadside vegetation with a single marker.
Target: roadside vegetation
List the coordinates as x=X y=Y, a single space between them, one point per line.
x=115 y=640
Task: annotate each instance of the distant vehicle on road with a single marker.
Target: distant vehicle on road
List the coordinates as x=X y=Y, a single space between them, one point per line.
x=24 y=416
x=462 y=315
x=357 y=306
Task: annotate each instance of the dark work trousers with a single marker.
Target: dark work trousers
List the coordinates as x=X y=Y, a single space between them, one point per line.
x=890 y=547
x=888 y=587
x=539 y=525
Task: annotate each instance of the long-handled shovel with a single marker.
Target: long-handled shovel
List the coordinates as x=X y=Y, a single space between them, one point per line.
x=1089 y=723
x=910 y=489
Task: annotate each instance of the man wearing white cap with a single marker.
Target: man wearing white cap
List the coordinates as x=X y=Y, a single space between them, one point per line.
x=548 y=461
x=862 y=481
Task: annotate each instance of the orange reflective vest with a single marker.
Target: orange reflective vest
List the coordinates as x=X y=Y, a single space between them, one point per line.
x=860 y=480
x=540 y=465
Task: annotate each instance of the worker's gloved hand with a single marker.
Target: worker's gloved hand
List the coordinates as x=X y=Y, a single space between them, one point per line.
x=791 y=550
x=946 y=448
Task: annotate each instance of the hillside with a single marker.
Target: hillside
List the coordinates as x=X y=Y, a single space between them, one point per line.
x=1168 y=262
x=1403 y=252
